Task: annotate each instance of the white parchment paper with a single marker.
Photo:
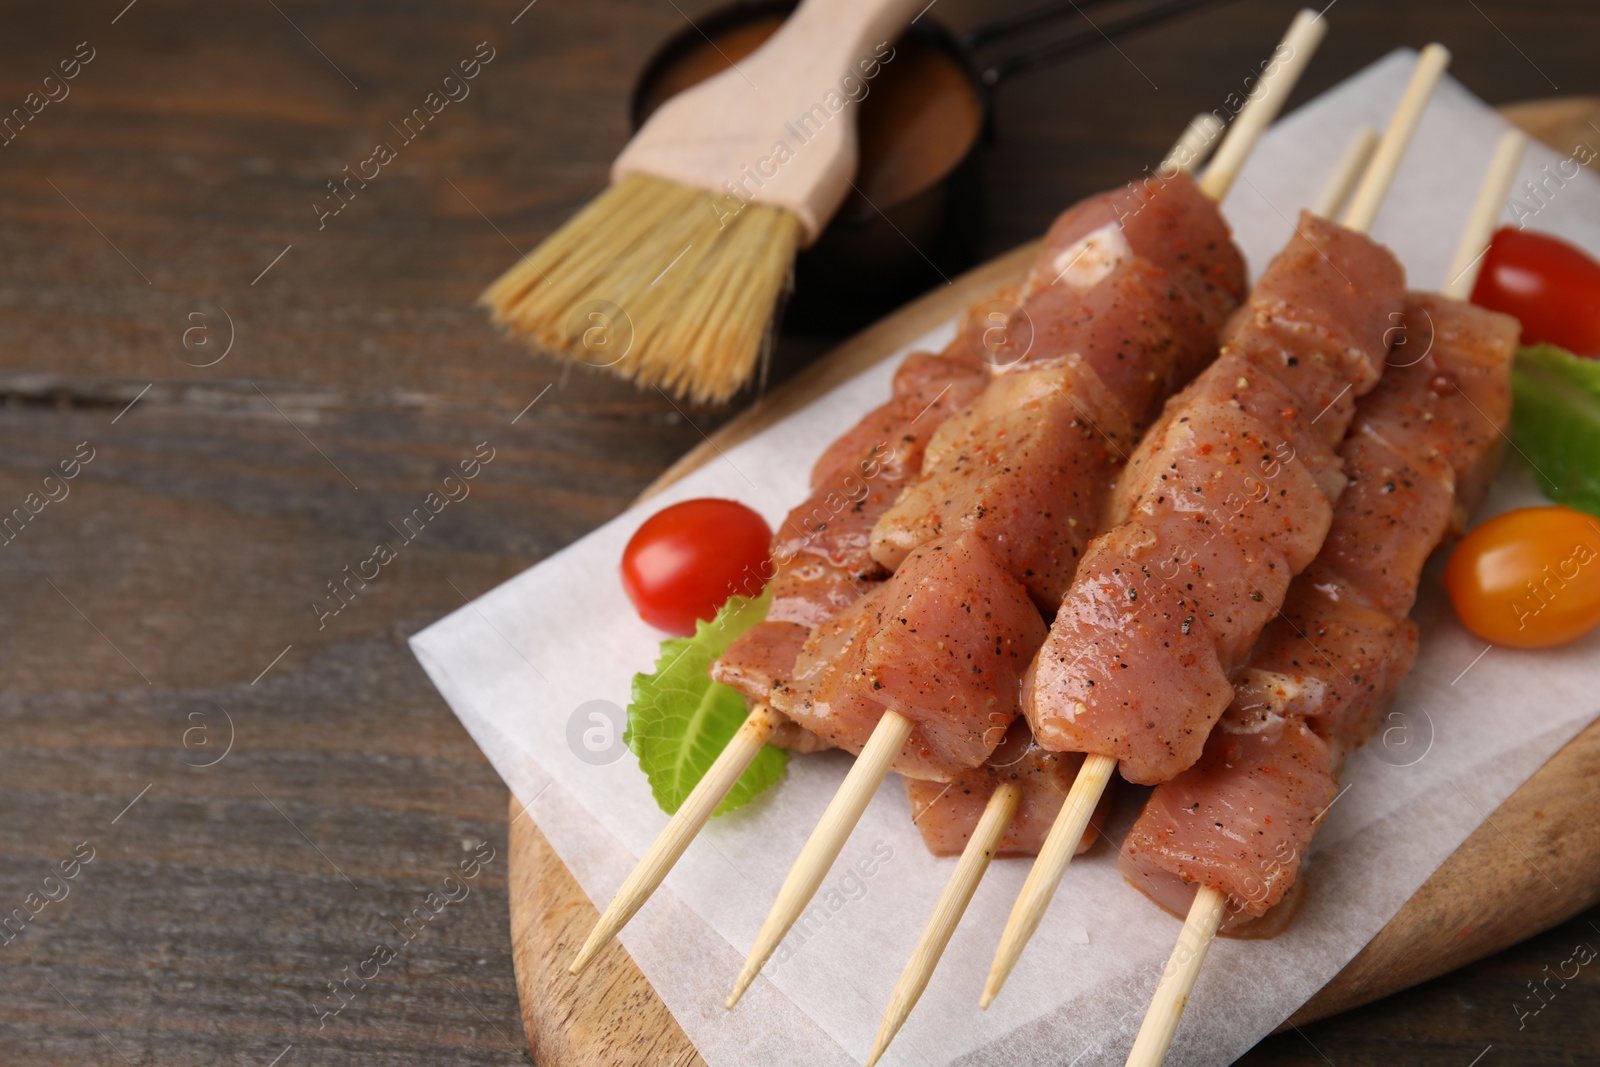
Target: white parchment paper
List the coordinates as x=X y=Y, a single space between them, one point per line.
x=519 y=664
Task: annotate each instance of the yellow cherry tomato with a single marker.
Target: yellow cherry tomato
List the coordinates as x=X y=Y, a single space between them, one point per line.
x=1529 y=578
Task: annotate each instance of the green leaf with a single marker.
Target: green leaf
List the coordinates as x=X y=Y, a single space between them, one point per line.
x=680 y=720
x=1556 y=423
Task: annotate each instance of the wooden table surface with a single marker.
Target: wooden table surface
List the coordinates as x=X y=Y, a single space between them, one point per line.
x=269 y=791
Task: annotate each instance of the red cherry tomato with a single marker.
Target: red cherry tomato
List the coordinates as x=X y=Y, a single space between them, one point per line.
x=1548 y=284
x=688 y=559
x=1529 y=578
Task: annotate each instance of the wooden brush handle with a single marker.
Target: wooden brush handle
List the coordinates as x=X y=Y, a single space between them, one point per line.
x=778 y=127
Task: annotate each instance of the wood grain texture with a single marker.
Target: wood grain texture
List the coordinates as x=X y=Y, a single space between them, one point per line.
x=1532 y=865
x=1564 y=123
x=609 y=1014
x=192 y=547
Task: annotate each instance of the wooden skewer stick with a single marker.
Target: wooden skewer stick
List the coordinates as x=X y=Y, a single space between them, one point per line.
x=1057 y=853
x=1402 y=125
x=1463 y=273
x=686 y=822
x=1194 y=144
x=1299 y=44
x=1351 y=165
x=1059 y=847
x=823 y=847
x=1177 y=981
x=947 y=912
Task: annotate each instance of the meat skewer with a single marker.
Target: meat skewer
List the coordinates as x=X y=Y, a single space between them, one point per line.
x=1026 y=786
x=1138 y=665
x=824 y=564
x=1010 y=491
x=1298 y=712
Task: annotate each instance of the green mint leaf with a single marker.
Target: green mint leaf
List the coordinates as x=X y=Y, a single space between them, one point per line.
x=1556 y=423
x=680 y=720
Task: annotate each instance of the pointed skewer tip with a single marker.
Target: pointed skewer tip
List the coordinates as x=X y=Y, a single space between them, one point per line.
x=746 y=977
x=1060 y=845
x=585 y=955
x=826 y=840
x=982 y=844
x=675 y=837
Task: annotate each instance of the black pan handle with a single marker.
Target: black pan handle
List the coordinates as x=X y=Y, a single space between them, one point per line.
x=1000 y=29
x=993 y=74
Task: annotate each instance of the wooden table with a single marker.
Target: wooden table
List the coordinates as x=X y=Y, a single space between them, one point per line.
x=268 y=790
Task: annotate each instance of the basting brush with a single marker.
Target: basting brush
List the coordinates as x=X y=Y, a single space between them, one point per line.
x=673 y=275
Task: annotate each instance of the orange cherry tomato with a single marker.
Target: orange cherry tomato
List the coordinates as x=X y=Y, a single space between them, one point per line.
x=1529 y=578
x=1551 y=286
x=689 y=558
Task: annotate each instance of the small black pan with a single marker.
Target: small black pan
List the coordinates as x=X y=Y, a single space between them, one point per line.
x=917 y=217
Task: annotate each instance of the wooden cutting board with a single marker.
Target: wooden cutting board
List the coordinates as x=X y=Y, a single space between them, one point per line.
x=1534 y=863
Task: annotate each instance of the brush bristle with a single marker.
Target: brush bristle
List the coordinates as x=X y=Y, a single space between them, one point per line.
x=670 y=286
